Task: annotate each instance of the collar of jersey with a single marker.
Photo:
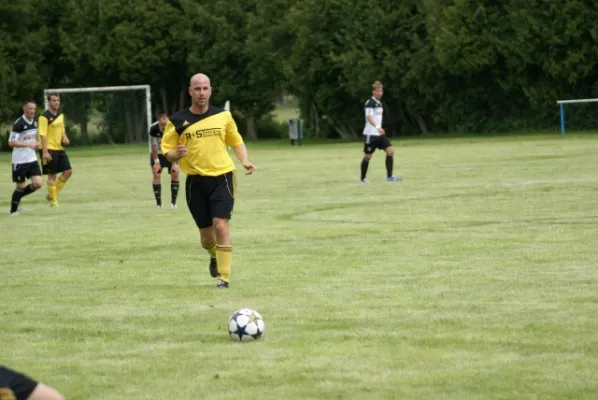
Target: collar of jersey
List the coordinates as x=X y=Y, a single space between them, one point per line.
x=26 y=120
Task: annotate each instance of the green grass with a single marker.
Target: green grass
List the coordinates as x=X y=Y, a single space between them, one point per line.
x=475 y=278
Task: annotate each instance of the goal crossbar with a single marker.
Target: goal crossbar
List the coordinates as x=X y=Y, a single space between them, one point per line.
x=146 y=88
x=562 y=103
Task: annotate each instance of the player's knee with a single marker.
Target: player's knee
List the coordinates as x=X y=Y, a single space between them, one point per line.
x=45 y=392
x=220 y=226
x=36 y=183
x=219 y=223
x=367 y=157
x=67 y=174
x=174 y=175
x=390 y=151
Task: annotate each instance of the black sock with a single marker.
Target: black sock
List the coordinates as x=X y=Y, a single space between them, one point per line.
x=389 y=163
x=28 y=190
x=16 y=199
x=158 y=193
x=365 y=163
x=18 y=194
x=174 y=191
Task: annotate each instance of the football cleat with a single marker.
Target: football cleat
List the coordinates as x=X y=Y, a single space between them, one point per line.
x=393 y=179
x=15 y=213
x=222 y=284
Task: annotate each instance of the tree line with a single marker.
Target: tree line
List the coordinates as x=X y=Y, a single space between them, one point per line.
x=446 y=65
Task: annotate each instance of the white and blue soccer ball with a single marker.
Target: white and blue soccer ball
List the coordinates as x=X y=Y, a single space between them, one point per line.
x=246 y=325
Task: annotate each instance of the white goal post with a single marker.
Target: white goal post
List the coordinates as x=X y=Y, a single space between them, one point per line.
x=146 y=88
x=562 y=103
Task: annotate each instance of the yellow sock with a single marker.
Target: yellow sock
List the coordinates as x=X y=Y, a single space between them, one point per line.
x=60 y=184
x=224 y=257
x=52 y=192
x=210 y=248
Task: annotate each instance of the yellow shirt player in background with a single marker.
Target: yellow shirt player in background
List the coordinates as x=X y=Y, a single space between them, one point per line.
x=198 y=137
x=50 y=126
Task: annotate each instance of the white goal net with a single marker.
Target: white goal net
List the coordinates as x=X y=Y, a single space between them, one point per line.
x=111 y=114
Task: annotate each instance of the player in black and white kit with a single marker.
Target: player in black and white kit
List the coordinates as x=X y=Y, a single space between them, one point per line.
x=374 y=136
x=159 y=162
x=23 y=141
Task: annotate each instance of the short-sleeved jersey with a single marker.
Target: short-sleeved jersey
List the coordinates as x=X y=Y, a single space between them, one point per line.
x=206 y=137
x=155 y=137
x=23 y=130
x=52 y=126
x=374 y=108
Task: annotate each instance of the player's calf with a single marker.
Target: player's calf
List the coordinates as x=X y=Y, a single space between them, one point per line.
x=390 y=165
x=36 y=182
x=365 y=163
x=157 y=187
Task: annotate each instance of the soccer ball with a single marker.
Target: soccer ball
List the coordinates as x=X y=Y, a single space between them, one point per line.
x=245 y=325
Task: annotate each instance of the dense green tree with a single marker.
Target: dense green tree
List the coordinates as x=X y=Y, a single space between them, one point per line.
x=447 y=65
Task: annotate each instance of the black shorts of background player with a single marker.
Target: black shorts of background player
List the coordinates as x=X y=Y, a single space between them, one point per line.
x=17 y=386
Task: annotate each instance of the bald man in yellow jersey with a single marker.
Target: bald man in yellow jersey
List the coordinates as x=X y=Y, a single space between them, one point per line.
x=51 y=129
x=197 y=137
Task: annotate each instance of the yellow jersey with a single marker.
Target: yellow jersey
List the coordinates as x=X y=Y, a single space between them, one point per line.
x=51 y=126
x=206 y=137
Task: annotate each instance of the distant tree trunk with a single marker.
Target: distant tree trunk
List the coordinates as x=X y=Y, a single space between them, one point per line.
x=182 y=94
x=130 y=138
x=84 y=132
x=108 y=136
x=344 y=131
x=315 y=120
x=137 y=127
x=402 y=120
x=164 y=101
x=82 y=120
x=251 y=133
x=423 y=126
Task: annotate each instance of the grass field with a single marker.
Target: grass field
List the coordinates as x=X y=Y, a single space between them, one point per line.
x=475 y=278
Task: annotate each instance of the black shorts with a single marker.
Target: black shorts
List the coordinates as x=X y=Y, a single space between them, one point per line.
x=210 y=197
x=164 y=163
x=22 y=172
x=15 y=384
x=59 y=162
x=371 y=143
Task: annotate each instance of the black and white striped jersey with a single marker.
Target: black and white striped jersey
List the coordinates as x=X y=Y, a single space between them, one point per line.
x=25 y=131
x=374 y=108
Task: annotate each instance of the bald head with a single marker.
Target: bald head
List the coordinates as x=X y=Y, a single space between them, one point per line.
x=197 y=78
x=200 y=91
